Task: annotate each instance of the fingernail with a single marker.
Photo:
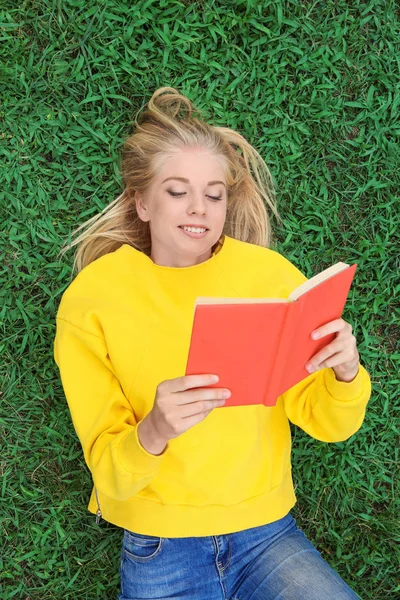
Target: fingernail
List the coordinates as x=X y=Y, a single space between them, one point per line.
x=226 y=393
x=315 y=335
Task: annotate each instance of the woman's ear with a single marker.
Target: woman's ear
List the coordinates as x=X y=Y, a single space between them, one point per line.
x=141 y=207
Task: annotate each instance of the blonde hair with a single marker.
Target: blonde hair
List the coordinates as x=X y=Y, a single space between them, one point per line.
x=161 y=130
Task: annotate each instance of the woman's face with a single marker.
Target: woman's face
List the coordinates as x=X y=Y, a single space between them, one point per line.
x=199 y=201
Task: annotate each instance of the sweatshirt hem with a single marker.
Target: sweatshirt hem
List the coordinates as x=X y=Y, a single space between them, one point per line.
x=183 y=520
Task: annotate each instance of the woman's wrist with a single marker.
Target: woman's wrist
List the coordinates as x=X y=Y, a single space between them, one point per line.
x=149 y=439
x=348 y=378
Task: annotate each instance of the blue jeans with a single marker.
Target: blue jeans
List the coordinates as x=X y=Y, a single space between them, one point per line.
x=271 y=562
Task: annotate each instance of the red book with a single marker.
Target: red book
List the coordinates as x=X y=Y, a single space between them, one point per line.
x=259 y=346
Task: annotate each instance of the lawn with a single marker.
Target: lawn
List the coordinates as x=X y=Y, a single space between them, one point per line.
x=315 y=88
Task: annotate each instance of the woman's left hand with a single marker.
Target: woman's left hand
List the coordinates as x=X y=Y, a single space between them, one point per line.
x=341 y=354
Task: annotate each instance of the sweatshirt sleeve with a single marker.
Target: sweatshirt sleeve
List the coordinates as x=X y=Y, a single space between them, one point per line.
x=327 y=409
x=102 y=416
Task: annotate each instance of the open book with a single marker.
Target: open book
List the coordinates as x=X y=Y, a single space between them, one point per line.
x=259 y=346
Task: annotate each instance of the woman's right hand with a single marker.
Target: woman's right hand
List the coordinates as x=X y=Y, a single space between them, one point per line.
x=179 y=404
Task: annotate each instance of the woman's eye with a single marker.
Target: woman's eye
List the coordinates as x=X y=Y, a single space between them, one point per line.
x=182 y=193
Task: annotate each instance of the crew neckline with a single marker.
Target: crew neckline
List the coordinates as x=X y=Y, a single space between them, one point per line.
x=223 y=241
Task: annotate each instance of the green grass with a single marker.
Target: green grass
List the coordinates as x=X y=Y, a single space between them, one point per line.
x=314 y=86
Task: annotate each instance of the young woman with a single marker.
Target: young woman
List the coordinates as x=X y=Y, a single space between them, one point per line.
x=202 y=493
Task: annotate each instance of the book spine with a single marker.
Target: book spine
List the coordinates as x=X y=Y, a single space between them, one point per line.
x=273 y=390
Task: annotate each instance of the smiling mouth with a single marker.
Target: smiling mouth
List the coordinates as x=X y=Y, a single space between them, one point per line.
x=198 y=227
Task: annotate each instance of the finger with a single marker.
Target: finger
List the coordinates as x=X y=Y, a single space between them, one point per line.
x=334 y=361
x=194 y=420
x=329 y=350
x=347 y=344
x=345 y=357
x=201 y=395
x=331 y=327
x=187 y=382
x=197 y=408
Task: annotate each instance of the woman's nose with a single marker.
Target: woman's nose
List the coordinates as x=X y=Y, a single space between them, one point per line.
x=197 y=204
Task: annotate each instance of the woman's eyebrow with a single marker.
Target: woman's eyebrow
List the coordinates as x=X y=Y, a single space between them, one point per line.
x=187 y=180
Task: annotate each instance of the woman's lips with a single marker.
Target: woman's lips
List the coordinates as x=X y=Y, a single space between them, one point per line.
x=194 y=235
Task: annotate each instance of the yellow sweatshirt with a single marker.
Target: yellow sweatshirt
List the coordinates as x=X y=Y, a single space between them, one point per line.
x=123 y=325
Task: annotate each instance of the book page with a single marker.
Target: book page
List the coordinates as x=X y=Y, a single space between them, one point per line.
x=313 y=281
x=219 y=300
x=301 y=289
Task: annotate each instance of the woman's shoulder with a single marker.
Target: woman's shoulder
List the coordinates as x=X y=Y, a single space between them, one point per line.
x=260 y=262
x=262 y=255
x=93 y=284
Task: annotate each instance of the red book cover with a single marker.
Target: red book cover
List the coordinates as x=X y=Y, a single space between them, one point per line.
x=259 y=346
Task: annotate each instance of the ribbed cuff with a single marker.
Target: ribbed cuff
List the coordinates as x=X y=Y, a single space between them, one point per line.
x=134 y=458
x=343 y=390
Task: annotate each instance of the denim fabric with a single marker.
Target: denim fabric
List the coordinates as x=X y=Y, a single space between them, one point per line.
x=271 y=562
